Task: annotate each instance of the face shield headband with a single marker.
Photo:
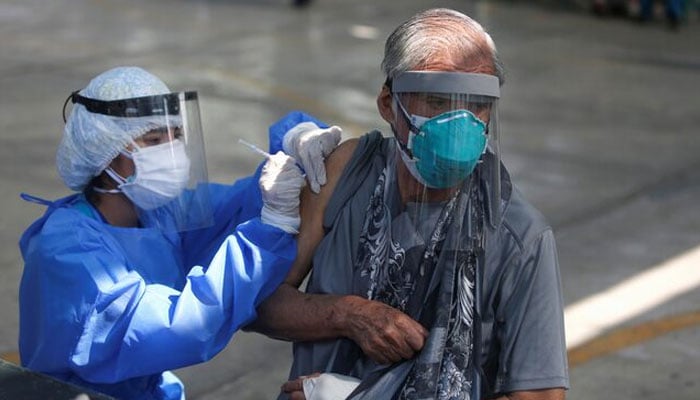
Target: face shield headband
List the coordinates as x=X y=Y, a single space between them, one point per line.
x=444 y=149
x=164 y=104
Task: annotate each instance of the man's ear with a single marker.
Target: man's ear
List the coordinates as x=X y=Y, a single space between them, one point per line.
x=384 y=105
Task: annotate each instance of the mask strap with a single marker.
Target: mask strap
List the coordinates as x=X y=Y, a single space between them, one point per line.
x=116 y=178
x=413 y=130
x=120 y=180
x=108 y=191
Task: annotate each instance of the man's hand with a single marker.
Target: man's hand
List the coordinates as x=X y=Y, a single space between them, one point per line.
x=295 y=387
x=384 y=333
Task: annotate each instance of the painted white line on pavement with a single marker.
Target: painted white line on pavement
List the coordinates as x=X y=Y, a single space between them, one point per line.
x=594 y=315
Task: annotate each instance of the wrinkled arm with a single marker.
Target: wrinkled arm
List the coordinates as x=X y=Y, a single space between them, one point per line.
x=288 y=313
x=384 y=333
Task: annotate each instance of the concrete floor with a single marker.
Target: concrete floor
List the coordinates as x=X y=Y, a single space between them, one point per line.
x=599 y=128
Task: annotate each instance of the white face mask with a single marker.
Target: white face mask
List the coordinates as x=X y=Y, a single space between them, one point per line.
x=162 y=173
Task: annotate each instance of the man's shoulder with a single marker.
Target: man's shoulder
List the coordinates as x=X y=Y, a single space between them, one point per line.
x=347 y=148
x=339 y=158
x=353 y=153
x=352 y=168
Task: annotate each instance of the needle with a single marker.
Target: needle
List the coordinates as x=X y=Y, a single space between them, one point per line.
x=254 y=148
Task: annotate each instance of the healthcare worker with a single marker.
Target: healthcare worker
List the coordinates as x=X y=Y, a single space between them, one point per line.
x=150 y=267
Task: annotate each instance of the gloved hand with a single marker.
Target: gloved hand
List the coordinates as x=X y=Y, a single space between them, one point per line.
x=320 y=386
x=329 y=386
x=280 y=183
x=310 y=145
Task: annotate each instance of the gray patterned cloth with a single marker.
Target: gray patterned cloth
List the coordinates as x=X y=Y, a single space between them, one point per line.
x=397 y=256
x=517 y=334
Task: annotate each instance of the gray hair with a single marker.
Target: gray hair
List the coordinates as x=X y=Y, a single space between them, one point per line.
x=435 y=33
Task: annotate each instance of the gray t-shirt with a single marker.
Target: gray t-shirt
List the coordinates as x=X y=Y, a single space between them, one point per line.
x=521 y=305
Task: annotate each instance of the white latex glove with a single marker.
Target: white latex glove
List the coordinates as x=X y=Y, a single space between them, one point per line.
x=329 y=386
x=310 y=145
x=280 y=183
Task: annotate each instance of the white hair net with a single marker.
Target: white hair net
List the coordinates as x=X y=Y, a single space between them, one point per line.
x=91 y=141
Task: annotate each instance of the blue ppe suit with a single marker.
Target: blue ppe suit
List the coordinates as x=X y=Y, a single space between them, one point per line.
x=112 y=308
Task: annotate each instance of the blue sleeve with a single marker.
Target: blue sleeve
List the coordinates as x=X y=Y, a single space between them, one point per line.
x=104 y=322
x=231 y=206
x=289 y=121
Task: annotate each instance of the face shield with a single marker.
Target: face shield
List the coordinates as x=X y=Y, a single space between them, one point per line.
x=446 y=128
x=422 y=242
x=168 y=185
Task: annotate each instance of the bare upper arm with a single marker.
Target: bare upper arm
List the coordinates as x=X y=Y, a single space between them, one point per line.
x=312 y=209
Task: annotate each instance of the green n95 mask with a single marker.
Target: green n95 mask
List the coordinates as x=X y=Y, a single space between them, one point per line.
x=447 y=130
x=445 y=148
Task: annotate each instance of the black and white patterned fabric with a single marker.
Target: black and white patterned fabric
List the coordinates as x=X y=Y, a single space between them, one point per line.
x=400 y=261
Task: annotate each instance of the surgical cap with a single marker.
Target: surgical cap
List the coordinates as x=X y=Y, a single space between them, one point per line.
x=91 y=141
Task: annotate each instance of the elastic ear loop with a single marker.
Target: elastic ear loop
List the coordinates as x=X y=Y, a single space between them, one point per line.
x=120 y=180
x=116 y=178
x=413 y=130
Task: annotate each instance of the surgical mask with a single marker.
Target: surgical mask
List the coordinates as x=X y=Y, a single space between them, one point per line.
x=162 y=173
x=445 y=148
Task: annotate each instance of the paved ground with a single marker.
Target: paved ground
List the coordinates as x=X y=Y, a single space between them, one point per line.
x=600 y=129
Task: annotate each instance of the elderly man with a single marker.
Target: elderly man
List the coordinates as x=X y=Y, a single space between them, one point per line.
x=422 y=247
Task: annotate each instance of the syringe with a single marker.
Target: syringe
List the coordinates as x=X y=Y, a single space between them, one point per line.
x=255 y=148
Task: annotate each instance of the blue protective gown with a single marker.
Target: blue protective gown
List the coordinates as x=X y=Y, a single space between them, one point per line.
x=114 y=308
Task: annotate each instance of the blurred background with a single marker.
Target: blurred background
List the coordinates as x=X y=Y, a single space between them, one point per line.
x=600 y=119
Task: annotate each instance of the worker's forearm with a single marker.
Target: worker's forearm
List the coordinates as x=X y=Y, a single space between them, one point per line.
x=292 y=315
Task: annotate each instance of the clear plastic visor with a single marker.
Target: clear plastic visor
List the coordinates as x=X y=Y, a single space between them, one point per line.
x=169 y=184
x=447 y=139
